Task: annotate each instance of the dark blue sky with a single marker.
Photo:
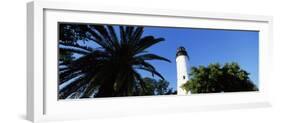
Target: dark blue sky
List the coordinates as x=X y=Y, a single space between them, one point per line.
x=205 y=46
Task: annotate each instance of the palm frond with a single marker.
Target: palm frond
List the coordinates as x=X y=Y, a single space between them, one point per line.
x=137 y=34
x=73 y=50
x=147 y=67
x=73 y=86
x=151 y=57
x=100 y=36
x=128 y=32
x=63 y=78
x=75 y=46
x=113 y=36
x=102 y=30
x=153 y=71
x=139 y=79
x=147 y=42
x=122 y=35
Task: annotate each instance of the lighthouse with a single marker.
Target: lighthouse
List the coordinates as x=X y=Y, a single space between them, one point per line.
x=182 y=69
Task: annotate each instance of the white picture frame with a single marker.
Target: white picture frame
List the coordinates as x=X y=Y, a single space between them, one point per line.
x=42 y=17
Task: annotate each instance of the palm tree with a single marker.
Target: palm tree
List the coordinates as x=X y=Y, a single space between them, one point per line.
x=112 y=68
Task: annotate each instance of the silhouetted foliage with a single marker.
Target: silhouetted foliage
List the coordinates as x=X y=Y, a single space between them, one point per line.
x=70 y=34
x=154 y=87
x=217 y=78
x=108 y=70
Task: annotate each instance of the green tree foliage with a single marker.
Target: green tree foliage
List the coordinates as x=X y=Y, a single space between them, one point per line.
x=110 y=69
x=155 y=87
x=217 y=78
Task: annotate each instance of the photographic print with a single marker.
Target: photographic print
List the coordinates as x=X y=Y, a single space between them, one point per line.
x=103 y=60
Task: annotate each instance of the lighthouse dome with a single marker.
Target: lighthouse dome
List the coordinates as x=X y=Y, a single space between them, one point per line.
x=181 y=51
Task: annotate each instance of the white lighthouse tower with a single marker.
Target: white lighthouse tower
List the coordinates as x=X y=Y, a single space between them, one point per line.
x=182 y=69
